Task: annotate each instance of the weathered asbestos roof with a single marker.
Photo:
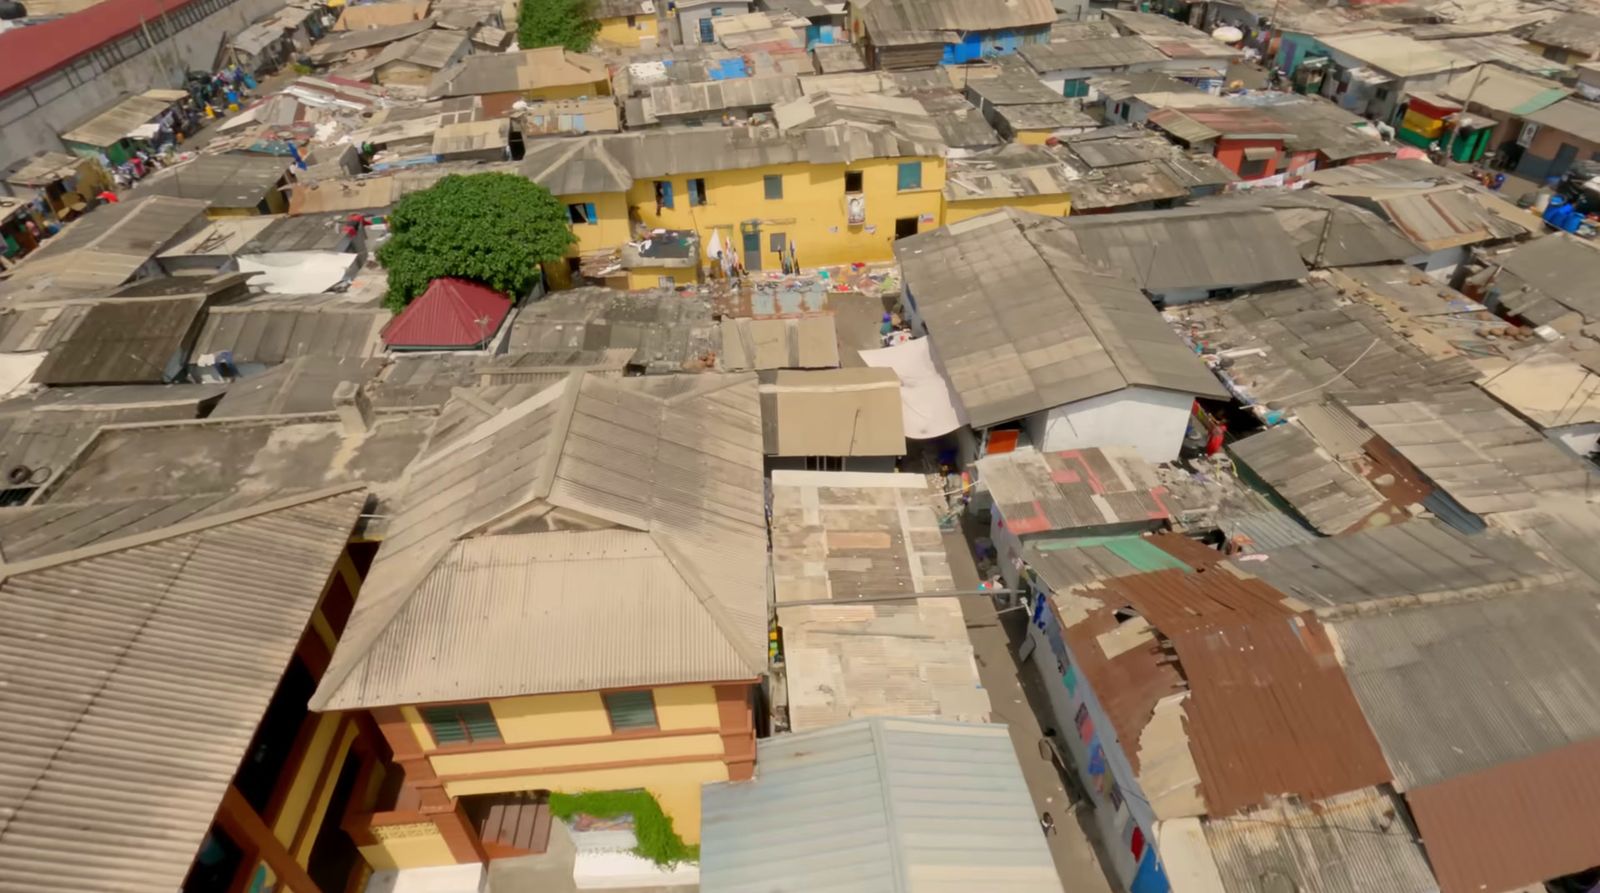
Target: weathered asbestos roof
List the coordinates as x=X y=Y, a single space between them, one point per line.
x=1051 y=116
x=569 y=116
x=1179 y=124
x=669 y=468
x=117 y=122
x=1336 y=134
x=1349 y=842
x=1150 y=24
x=1389 y=170
x=893 y=126
x=535 y=69
x=884 y=804
x=901 y=22
x=41 y=432
x=267 y=332
x=1268 y=712
x=1327 y=232
x=1070 y=563
x=124 y=342
x=662 y=330
x=833 y=58
x=844 y=535
x=1090 y=489
x=1574 y=116
x=1074 y=55
x=335 y=46
x=1549 y=390
x=381 y=15
x=1012 y=86
x=1023 y=321
x=1437 y=217
x=1456 y=688
x=1396 y=54
x=832 y=412
x=1298 y=345
x=1191 y=247
x=233 y=181
x=575 y=167
x=1329 y=496
x=1578 y=31
x=36 y=531
x=43 y=169
x=1012 y=171
x=1418 y=562
x=104 y=249
x=467 y=137
x=715 y=97
x=1485 y=458
x=149 y=631
x=1518 y=824
x=807 y=342
x=1506 y=91
x=309 y=232
x=450 y=314
x=1552 y=269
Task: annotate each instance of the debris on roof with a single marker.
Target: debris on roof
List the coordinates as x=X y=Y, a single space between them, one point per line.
x=1100 y=490
x=1329 y=496
x=807 y=342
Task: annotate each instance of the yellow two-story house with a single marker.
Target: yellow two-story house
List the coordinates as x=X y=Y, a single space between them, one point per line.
x=626 y=24
x=835 y=182
x=567 y=617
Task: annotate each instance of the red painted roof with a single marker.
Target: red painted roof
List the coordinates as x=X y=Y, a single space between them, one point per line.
x=36 y=50
x=451 y=313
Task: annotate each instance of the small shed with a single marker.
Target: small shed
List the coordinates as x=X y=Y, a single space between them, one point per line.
x=453 y=314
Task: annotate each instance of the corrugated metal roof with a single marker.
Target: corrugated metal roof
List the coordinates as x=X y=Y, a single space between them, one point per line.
x=715 y=97
x=1485 y=458
x=1329 y=496
x=663 y=330
x=150 y=632
x=891 y=22
x=1071 y=562
x=1517 y=824
x=1493 y=87
x=381 y=15
x=468 y=137
x=1012 y=171
x=43 y=431
x=877 y=806
x=1346 y=844
x=1107 y=487
x=808 y=342
x=1455 y=689
x=1269 y=712
x=104 y=249
x=1022 y=320
x=124 y=342
x=840 y=535
x=1555 y=268
x=117 y=122
x=535 y=69
x=44 y=168
x=274 y=333
x=832 y=412
x=1300 y=344
x=1191 y=248
x=35 y=531
x=1579 y=31
x=676 y=460
x=1574 y=116
x=1439 y=217
x=1396 y=54
x=1075 y=55
x=452 y=313
x=335 y=46
x=1418 y=561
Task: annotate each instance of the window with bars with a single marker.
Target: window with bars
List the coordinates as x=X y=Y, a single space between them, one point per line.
x=461 y=724
x=631 y=710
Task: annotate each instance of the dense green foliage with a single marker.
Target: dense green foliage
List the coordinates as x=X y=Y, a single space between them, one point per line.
x=490 y=228
x=658 y=842
x=556 y=23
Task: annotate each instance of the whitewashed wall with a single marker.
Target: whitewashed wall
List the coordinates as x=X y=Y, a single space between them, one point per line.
x=1150 y=420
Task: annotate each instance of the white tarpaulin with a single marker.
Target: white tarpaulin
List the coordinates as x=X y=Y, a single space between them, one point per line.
x=297 y=272
x=927 y=404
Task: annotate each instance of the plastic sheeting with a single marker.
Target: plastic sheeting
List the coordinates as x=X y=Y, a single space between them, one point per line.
x=928 y=406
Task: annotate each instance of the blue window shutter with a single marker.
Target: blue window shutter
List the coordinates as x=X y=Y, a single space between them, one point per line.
x=910 y=175
x=588 y=208
x=631 y=710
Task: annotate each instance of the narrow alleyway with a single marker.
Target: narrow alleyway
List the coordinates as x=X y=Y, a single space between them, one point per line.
x=1016 y=696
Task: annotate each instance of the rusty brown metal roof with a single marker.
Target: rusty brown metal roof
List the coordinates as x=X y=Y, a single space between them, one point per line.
x=1514 y=824
x=1270 y=712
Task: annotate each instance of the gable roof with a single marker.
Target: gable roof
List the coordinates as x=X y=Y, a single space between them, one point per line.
x=668 y=467
x=452 y=313
x=151 y=631
x=515 y=72
x=884 y=804
x=1022 y=320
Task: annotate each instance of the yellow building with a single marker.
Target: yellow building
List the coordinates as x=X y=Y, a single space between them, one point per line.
x=627 y=24
x=572 y=598
x=842 y=178
x=194 y=648
x=1032 y=178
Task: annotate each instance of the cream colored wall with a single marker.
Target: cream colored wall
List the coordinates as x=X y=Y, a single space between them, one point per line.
x=811 y=213
x=676 y=786
x=546 y=757
x=616 y=32
x=538 y=719
x=1048 y=205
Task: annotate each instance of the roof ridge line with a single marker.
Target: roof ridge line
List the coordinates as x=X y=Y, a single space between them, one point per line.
x=880 y=765
x=8 y=569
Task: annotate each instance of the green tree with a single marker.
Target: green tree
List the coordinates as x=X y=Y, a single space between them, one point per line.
x=490 y=228
x=556 y=23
